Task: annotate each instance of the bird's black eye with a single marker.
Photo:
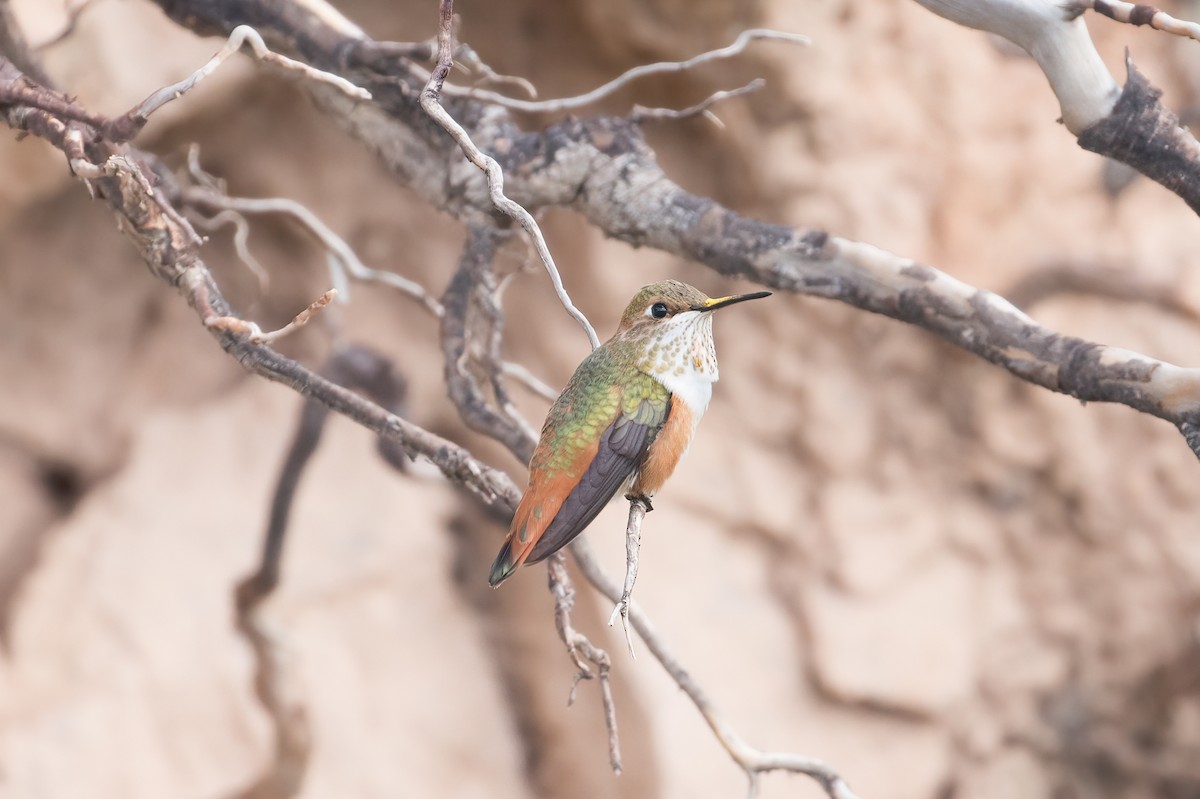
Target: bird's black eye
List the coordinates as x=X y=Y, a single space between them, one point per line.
x=658 y=310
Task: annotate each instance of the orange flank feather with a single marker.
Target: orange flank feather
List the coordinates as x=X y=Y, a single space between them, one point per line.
x=664 y=454
x=539 y=506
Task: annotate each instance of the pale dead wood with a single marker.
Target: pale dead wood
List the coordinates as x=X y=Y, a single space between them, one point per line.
x=590 y=661
x=638 y=506
x=240 y=36
x=594 y=96
x=431 y=103
x=702 y=108
x=753 y=761
x=1138 y=14
x=256 y=335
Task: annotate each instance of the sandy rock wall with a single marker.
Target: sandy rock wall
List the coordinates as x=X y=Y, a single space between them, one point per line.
x=880 y=551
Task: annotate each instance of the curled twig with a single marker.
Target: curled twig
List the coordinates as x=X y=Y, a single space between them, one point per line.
x=241 y=241
x=623 y=80
x=241 y=35
x=342 y=256
x=431 y=103
x=702 y=108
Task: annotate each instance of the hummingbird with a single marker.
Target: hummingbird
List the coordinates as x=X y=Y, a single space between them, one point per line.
x=626 y=418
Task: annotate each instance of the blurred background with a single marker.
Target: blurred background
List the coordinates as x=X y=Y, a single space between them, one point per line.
x=880 y=551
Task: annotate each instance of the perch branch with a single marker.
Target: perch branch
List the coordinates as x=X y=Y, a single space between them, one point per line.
x=638 y=506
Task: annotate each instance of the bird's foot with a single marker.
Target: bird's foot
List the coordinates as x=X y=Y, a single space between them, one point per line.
x=642 y=498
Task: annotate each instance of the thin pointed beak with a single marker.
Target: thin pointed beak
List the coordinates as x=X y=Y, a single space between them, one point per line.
x=721 y=302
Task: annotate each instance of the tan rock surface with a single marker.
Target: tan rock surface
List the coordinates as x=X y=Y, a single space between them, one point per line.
x=880 y=551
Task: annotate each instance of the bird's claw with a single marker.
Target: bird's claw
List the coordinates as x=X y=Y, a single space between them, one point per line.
x=642 y=498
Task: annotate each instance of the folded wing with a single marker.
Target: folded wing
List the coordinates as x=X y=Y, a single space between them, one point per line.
x=622 y=447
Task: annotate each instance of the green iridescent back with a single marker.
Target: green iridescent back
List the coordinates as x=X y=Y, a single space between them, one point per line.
x=608 y=382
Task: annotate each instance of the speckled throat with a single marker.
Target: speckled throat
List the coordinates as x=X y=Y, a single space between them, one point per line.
x=681 y=355
x=681 y=348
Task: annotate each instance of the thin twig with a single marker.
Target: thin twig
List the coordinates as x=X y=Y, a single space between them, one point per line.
x=620 y=82
x=1140 y=14
x=641 y=114
x=522 y=375
x=467 y=55
x=431 y=103
x=242 y=35
x=241 y=241
x=334 y=244
x=583 y=651
x=753 y=761
x=254 y=333
x=633 y=543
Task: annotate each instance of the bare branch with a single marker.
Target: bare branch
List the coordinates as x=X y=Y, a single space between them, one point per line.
x=1057 y=39
x=638 y=507
x=431 y=103
x=242 y=35
x=616 y=84
x=276 y=681
x=1142 y=133
x=641 y=114
x=531 y=381
x=583 y=651
x=255 y=334
x=753 y=761
x=342 y=253
x=473 y=279
x=1140 y=14
x=466 y=55
x=241 y=242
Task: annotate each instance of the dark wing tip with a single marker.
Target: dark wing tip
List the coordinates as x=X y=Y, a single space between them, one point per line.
x=504 y=565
